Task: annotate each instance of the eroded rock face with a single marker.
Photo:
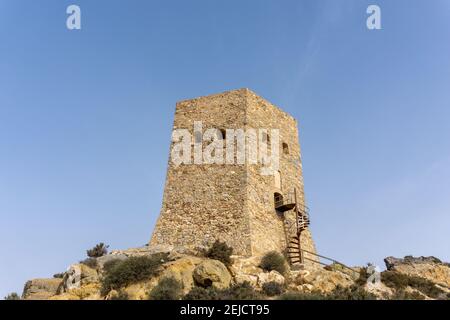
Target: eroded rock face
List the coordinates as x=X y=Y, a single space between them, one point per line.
x=318 y=278
x=182 y=270
x=212 y=273
x=78 y=275
x=41 y=289
x=392 y=262
x=430 y=268
x=246 y=269
x=272 y=276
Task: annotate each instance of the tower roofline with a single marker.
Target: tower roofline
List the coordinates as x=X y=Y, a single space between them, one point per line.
x=239 y=91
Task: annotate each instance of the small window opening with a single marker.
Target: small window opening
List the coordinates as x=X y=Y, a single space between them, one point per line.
x=285 y=148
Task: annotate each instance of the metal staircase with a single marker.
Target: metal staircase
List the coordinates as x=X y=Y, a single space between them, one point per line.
x=290 y=202
x=295 y=253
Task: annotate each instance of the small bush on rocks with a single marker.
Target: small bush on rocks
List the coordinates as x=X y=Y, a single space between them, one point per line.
x=98 y=251
x=200 y=293
x=243 y=291
x=272 y=288
x=59 y=275
x=400 y=281
x=134 y=269
x=167 y=289
x=121 y=295
x=109 y=265
x=273 y=260
x=90 y=262
x=405 y=295
x=12 y=296
x=353 y=292
x=220 y=251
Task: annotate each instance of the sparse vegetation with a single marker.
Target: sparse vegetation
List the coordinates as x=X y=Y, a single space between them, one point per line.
x=59 y=275
x=400 y=281
x=134 y=269
x=200 y=293
x=220 y=251
x=273 y=260
x=121 y=295
x=363 y=276
x=167 y=289
x=243 y=291
x=98 y=251
x=110 y=264
x=353 y=292
x=339 y=293
x=12 y=296
x=272 y=288
x=405 y=295
x=90 y=262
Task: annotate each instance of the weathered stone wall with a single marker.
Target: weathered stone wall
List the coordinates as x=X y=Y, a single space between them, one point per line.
x=232 y=203
x=269 y=229
x=206 y=202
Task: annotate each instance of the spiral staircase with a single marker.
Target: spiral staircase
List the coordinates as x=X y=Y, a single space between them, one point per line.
x=287 y=203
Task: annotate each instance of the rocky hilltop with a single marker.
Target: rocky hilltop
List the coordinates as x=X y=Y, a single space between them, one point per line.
x=166 y=272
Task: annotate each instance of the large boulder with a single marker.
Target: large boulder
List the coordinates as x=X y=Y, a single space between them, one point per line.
x=182 y=270
x=272 y=276
x=321 y=279
x=212 y=273
x=41 y=289
x=243 y=277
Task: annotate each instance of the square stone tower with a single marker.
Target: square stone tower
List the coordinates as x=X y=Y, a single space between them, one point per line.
x=234 y=203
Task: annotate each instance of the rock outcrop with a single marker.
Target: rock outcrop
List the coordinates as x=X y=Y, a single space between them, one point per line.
x=212 y=273
x=318 y=278
x=41 y=289
x=430 y=268
x=82 y=282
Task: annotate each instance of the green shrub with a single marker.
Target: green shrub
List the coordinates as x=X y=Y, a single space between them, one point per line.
x=167 y=289
x=353 y=292
x=109 y=265
x=272 y=288
x=273 y=260
x=59 y=275
x=90 y=262
x=400 y=281
x=134 y=269
x=339 y=293
x=98 y=251
x=363 y=276
x=200 y=293
x=12 y=296
x=121 y=295
x=220 y=251
x=243 y=291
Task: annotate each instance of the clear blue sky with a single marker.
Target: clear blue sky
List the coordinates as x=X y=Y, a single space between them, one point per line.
x=85 y=118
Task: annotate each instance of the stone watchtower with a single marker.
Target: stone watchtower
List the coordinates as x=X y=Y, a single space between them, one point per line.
x=234 y=202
